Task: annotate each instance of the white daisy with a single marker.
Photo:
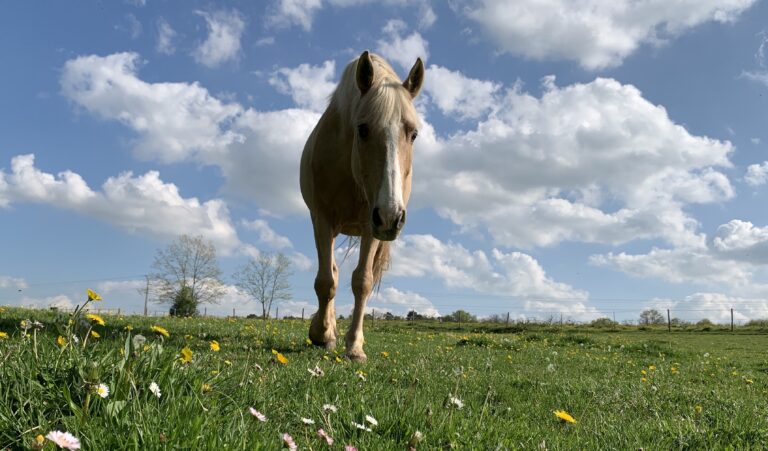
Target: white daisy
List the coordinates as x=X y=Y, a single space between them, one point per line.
x=102 y=390
x=259 y=416
x=155 y=389
x=63 y=440
x=371 y=420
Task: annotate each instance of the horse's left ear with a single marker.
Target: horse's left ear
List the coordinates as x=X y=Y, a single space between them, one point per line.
x=415 y=78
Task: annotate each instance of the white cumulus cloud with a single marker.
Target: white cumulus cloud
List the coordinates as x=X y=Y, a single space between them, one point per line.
x=757 y=174
x=309 y=86
x=225 y=28
x=399 y=49
x=595 y=33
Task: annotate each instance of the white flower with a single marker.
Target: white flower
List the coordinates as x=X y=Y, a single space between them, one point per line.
x=317 y=372
x=259 y=416
x=371 y=420
x=551 y=368
x=75 y=339
x=361 y=426
x=307 y=420
x=706 y=355
x=330 y=408
x=258 y=367
x=155 y=389
x=452 y=400
x=416 y=438
x=63 y=439
x=288 y=442
x=102 y=390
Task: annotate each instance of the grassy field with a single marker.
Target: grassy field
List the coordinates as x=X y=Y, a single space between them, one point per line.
x=492 y=388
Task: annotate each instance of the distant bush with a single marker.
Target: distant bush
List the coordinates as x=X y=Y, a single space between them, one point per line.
x=604 y=322
x=705 y=322
x=761 y=323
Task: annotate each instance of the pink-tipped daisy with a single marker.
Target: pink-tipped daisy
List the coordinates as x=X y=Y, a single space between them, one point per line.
x=63 y=440
x=259 y=416
x=289 y=443
x=323 y=435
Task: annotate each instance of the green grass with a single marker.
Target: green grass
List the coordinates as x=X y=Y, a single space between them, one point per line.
x=509 y=379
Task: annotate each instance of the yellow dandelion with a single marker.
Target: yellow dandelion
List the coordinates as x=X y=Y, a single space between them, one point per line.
x=338 y=360
x=206 y=388
x=215 y=346
x=61 y=341
x=95 y=334
x=749 y=381
x=128 y=328
x=39 y=441
x=161 y=331
x=564 y=416
x=698 y=408
x=281 y=358
x=274 y=352
x=188 y=337
x=309 y=342
x=92 y=296
x=186 y=354
x=96 y=319
x=643 y=380
x=643 y=372
x=384 y=354
x=3 y=335
x=652 y=367
x=228 y=363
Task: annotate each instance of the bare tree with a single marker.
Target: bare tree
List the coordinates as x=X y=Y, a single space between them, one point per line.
x=266 y=279
x=187 y=273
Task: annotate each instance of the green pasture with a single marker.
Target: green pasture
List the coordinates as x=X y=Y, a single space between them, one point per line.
x=470 y=387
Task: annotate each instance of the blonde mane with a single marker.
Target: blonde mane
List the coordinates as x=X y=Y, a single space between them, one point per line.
x=386 y=101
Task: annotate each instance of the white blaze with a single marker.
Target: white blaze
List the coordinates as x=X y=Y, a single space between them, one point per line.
x=390 y=197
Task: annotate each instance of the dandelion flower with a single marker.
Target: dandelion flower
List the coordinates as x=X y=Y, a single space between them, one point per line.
x=128 y=328
x=371 y=420
x=330 y=408
x=160 y=331
x=95 y=319
x=4 y=335
x=749 y=381
x=652 y=367
x=206 y=388
x=92 y=296
x=281 y=358
x=215 y=346
x=698 y=408
x=259 y=416
x=307 y=420
x=155 y=389
x=95 y=334
x=288 y=442
x=39 y=441
x=565 y=416
x=63 y=440
x=228 y=362
x=61 y=341
x=186 y=354
x=102 y=390
x=323 y=435
x=384 y=354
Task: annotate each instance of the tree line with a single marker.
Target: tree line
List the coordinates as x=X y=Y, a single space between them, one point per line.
x=186 y=274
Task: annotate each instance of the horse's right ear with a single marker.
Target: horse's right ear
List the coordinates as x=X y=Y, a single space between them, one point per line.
x=364 y=73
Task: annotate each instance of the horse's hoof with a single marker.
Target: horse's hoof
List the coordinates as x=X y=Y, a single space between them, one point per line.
x=357 y=356
x=328 y=344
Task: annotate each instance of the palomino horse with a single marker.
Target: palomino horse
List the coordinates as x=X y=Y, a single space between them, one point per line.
x=356 y=180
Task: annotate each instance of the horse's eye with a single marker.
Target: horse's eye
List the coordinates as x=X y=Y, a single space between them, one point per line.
x=414 y=135
x=362 y=131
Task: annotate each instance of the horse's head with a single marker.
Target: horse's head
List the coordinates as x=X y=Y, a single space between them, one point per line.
x=386 y=125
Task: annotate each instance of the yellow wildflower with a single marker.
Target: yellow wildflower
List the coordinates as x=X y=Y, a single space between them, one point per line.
x=39 y=440
x=128 y=328
x=309 y=342
x=338 y=360
x=228 y=363
x=95 y=318
x=698 y=409
x=61 y=341
x=3 y=335
x=643 y=380
x=281 y=358
x=95 y=334
x=160 y=331
x=749 y=381
x=384 y=354
x=206 y=388
x=564 y=416
x=92 y=296
x=643 y=372
x=652 y=367
x=186 y=354
x=215 y=346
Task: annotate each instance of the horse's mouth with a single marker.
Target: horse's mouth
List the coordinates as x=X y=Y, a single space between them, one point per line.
x=386 y=235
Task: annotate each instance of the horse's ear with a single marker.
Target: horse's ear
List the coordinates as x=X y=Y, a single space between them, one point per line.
x=415 y=78
x=364 y=73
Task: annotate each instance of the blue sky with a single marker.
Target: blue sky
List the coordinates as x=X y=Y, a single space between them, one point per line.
x=581 y=158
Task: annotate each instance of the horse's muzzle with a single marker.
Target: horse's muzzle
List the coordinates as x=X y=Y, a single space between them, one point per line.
x=387 y=223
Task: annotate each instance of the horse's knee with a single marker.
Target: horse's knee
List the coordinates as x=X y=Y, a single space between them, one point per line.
x=362 y=283
x=325 y=287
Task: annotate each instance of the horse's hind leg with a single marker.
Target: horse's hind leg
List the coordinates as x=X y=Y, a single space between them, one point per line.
x=362 y=284
x=322 y=330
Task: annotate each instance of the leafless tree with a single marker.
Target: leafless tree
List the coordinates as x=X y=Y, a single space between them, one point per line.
x=266 y=279
x=187 y=269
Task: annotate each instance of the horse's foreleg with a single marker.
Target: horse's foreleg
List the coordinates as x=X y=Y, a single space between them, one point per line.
x=362 y=284
x=322 y=330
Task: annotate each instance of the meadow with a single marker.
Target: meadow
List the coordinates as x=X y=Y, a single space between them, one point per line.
x=212 y=381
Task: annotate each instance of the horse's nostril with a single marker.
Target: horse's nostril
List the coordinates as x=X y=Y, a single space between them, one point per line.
x=400 y=221
x=377 y=222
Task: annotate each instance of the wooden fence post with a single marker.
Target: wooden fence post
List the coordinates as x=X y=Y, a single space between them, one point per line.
x=669 y=322
x=731 y=320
